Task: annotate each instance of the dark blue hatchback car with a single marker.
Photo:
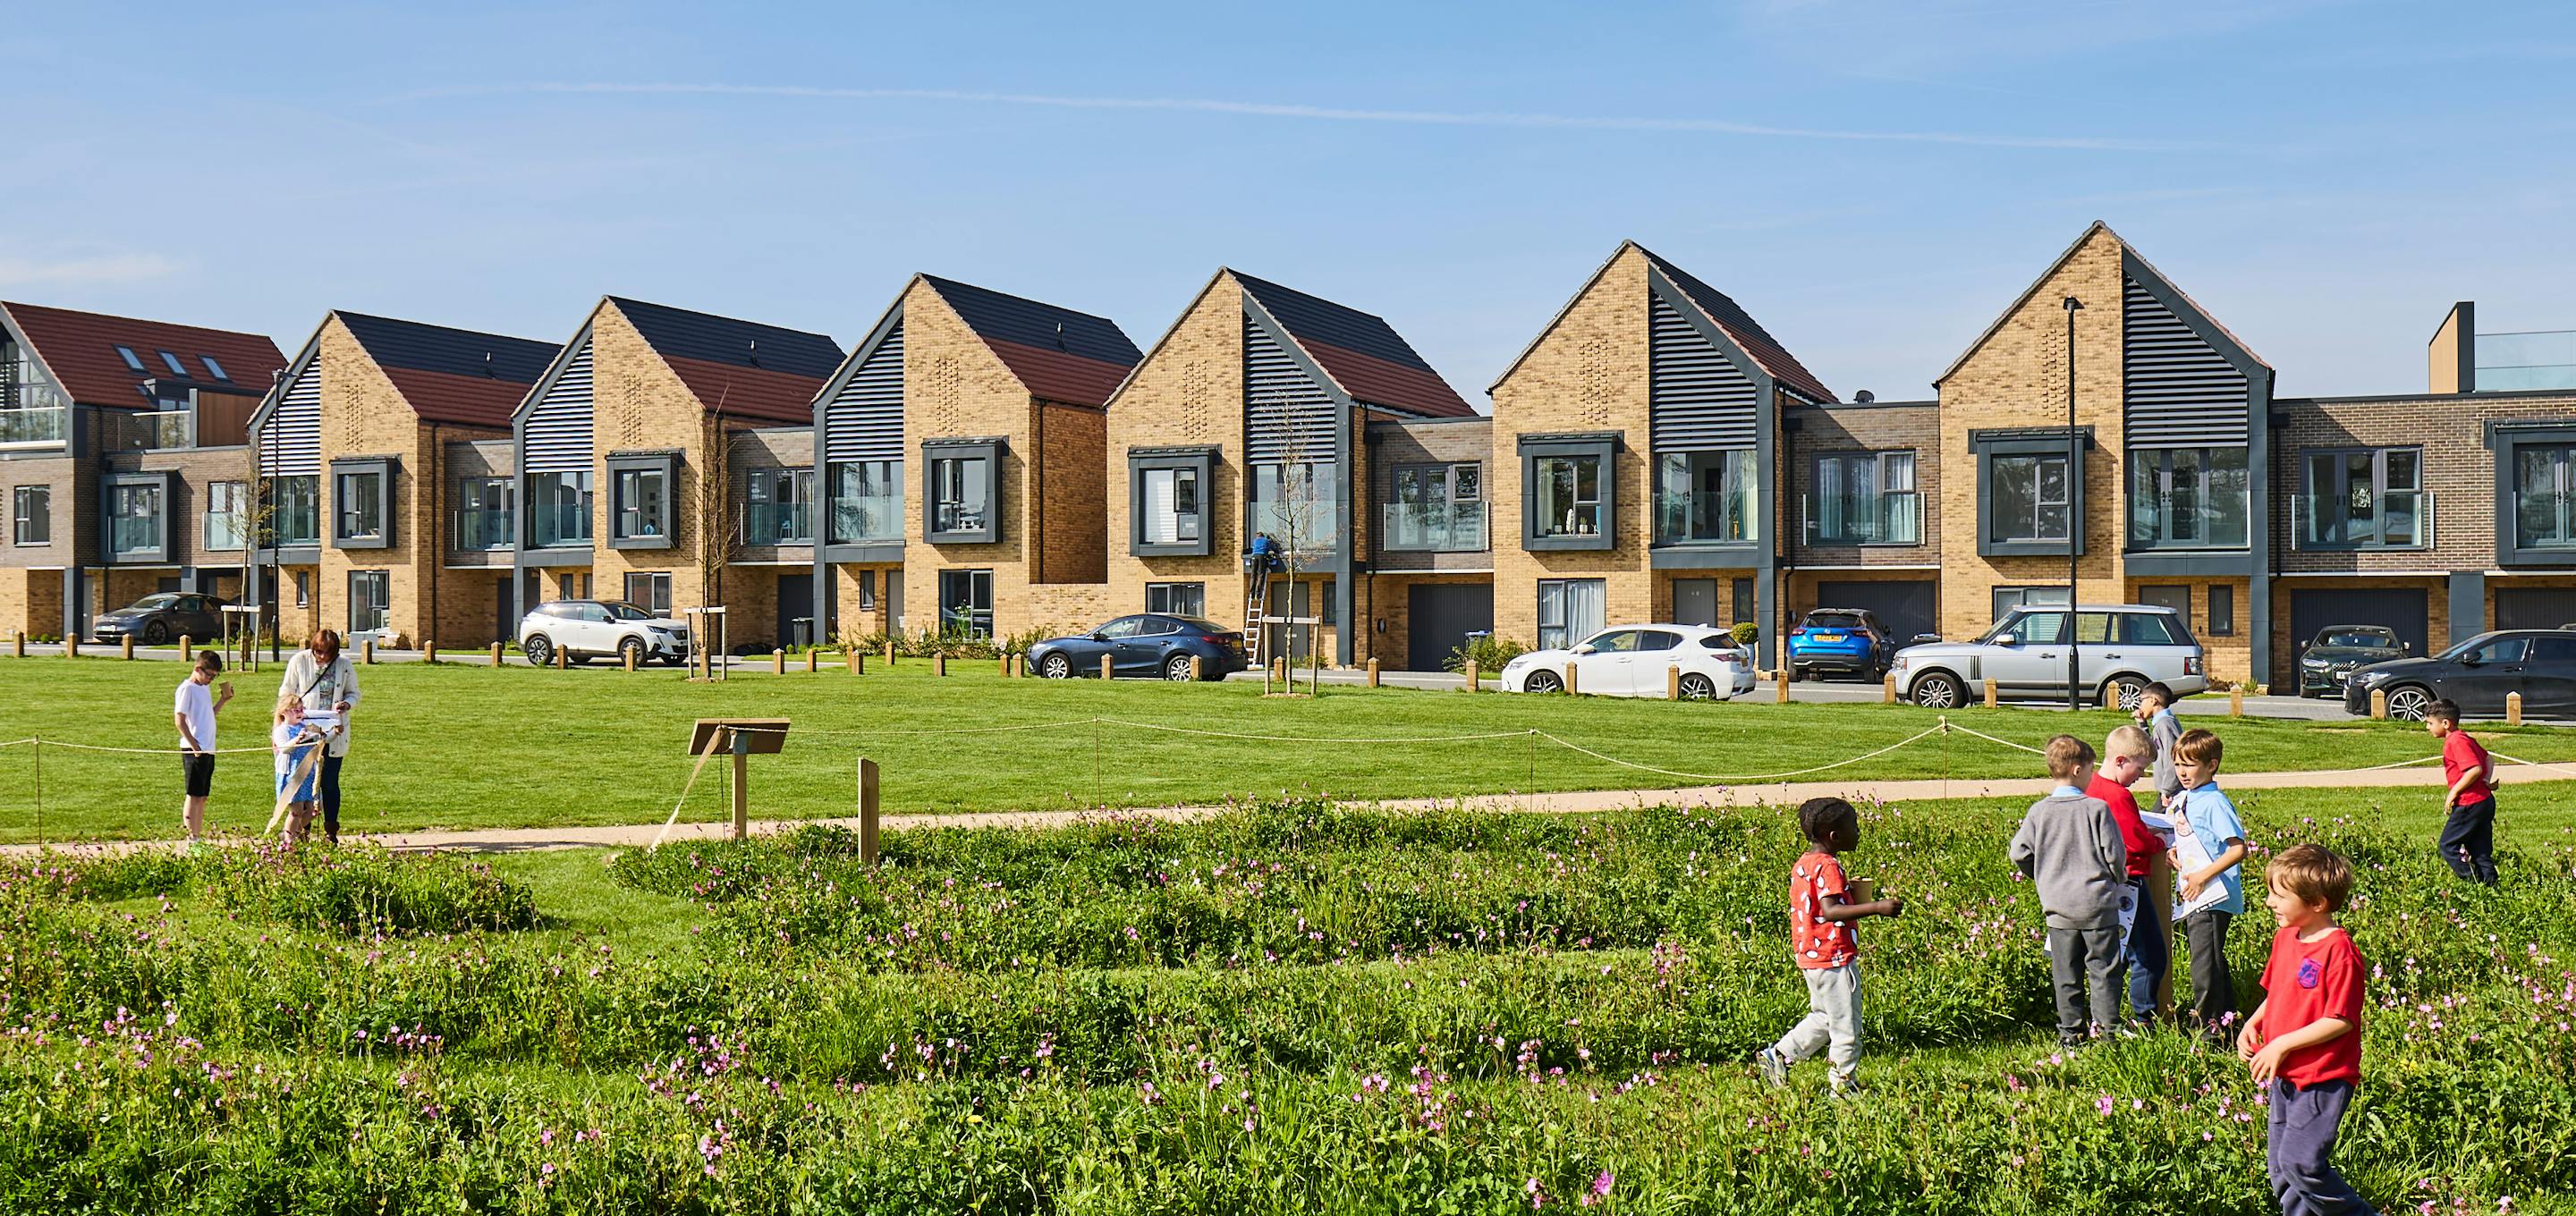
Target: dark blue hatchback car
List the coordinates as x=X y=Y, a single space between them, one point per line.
x=1841 y=639
x=1148 y=644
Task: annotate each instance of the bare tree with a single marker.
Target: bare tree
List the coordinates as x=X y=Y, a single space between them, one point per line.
x=719 y=532
x=1301 y=519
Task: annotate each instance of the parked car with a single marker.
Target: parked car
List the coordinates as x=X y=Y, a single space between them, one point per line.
x=162 y=616
x=1636 y=661
x=1146 y=644
x=2538 y=663
x=2328 y=662
x=1841 y=639
x=590 y=629
x=2121 y=648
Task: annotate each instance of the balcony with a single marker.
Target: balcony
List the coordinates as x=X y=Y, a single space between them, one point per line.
x=2333 y=522
x=2212 y=521
x=867 y=519
x=1894 y=518
x=163 y=429
x=2526 y=361
x=479 y=528
x=1706 y=518
x=134 y=535
x=777 y=523
x=31 y=426
x=1432 y=527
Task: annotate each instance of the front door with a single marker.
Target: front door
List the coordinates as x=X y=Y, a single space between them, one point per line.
x=2036 y=659
x=1695 y=602
x=795 y=609
x=1290 y=639
x=505 y=613
x=894 y=602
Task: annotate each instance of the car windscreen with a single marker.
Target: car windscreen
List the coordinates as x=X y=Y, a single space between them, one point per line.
x=1202 y=624
x=1833 y=620
x=620 y=610
x=154 y=603
x=2356 y=637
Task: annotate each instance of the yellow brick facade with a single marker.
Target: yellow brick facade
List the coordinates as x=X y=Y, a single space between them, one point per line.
x=1187 y=393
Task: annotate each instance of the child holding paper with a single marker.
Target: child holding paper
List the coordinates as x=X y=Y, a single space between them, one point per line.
x=2208 y=851
x=294 y=741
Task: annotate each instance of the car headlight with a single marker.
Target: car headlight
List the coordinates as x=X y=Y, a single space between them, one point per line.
x=2316 y=663
x=2368 y=678
x=1900 y=664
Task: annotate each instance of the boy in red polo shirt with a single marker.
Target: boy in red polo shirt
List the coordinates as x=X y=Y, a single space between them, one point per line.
x=1821 y=913
x=2468 y=773
x=2304 y=1040
x=2147 y=946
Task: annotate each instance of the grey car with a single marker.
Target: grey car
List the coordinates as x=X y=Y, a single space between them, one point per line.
x=2119 y=649
x=158 y=618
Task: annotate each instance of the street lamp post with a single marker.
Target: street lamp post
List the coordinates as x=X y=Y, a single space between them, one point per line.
x=2074 y=522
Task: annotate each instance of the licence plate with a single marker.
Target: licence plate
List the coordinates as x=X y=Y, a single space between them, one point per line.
x=1829 y=637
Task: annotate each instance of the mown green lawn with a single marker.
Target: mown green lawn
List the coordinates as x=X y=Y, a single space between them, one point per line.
x=475 y=747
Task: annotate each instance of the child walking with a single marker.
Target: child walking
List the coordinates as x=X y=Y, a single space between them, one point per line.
x=2468 y=835
x=2303 y=1043
x=294 y=744
x=2147 y=943
x=2211 y=819
x=194 y=707
x=2071 y=849
x=1828 y=951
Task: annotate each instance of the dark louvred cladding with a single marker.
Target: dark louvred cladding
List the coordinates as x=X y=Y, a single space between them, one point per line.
x=1747 y=333
x=1057 y=353
x=451 y=375
x=2179 y=390
x=79 y=348
x=1361 y=352
x=742 y=368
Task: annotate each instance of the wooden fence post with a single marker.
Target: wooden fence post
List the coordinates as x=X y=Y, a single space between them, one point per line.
x=563 y=659
x=367 y=652
x=2236 y=702
x=939 y=663
x=1006 y=664
x=20 y=642
x=1105 y=668
x=1372 y=673
x=812 y=656
x=2379 y=703
x=856 y=660
x=1673 y=682
x=186 y=644
x=2513 y=709
x=1780 y=689
x=429 y=650
x=1570 y=688
x=889 y=652
x=129 y=646
x=628 y=653
x=1887 y=691
x=1198 y=668
x=496 y=656
x=1993 y=698
x=867 y=811
x=777 y=662
x=1475 y=678
x=71 y=644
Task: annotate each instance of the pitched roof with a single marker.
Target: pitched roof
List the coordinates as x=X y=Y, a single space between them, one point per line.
x=1747 y=333
x=79 y=348
x=452 y=375
x=1060 y=354
x=742 y=367
x=1361 y=352
x=2130 y=254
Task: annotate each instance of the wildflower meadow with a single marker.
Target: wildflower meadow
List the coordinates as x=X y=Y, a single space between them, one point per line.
x=1285 y=1008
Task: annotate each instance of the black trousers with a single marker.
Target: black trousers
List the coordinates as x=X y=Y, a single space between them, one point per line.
x=2468 y=840
x=2213 y=988
x=330 y=792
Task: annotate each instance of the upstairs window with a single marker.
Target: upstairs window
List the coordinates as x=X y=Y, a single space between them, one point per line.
x=1171 y=506
x=965 y=499
x=1437 y=508
x=2363 y=498
x=559 y=510
x=2188 y=498
x=213 y=368
x=172 y=362
x=1706 y=496
x=361 y=504
x=641 y=500
x=31 y=515
x=1865 y=498
x=133 y=362
x=2031 y=499
x=778 y=507
x=867 y=501
x=227 y=514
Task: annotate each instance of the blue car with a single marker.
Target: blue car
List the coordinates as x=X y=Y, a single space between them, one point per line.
x=1841 y=639
x=1149 y=644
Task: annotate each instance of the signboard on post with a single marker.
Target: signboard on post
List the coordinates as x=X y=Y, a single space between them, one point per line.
x=743 y=738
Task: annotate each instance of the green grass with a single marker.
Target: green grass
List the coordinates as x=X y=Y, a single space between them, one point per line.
x=474 y=747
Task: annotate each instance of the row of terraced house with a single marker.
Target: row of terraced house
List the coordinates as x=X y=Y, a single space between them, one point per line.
x=989 y=464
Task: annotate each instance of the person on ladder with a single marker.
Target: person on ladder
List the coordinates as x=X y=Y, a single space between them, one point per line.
x=1257 y=568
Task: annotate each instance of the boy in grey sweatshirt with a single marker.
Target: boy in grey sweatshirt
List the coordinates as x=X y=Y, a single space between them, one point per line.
x=2071 y=849
x=2156 y=717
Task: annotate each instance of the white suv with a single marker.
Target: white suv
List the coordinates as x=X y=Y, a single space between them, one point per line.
x=2119 y=649
x=587 y=629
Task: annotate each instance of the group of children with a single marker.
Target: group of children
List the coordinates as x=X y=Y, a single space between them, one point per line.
x=294 y=742
x=2090 y=852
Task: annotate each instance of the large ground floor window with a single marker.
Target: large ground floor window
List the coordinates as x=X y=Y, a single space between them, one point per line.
x=650 y=590
x=966 y=603
x=370 y=600
x=1570 y=610
x=1176 y=599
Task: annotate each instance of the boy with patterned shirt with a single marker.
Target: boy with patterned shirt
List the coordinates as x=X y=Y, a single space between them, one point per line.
x=2303 y=1043
x=1827 y=949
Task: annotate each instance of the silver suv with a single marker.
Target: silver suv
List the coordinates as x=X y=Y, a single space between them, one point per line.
x=2120 y=649
x=587 y=629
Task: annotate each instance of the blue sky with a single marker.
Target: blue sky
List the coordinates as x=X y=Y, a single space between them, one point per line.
x=1873 y=179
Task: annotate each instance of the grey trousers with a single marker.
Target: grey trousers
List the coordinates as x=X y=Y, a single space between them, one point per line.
x=2299 y=1153
x=1832 y=1023
x=2213 y=986
x=2081 y=957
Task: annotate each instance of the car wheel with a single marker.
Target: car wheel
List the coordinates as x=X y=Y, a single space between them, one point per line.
x=1937 y=690
x=1056 y=667
x=632 y=650
x=1697 y=687
x=2408 y=703
x=2122 y=691
x=1179 y=667
x=539 y=649
x=1796 y=673
x=155 y=633
x=1543 y=681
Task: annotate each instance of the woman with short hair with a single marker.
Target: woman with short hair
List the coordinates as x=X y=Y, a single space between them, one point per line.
x=324 y=679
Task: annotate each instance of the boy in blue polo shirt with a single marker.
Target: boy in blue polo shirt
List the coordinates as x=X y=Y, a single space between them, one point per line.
x=2212 y=891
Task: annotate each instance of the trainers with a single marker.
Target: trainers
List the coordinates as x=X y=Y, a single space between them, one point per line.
x=1843 y=1091
x=1774 y=1069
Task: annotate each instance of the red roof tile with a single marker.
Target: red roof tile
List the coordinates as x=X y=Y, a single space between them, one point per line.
x=80 y=349
x=460 y=400
x=1379 y=382
x=1058 y=376
x=749 y=392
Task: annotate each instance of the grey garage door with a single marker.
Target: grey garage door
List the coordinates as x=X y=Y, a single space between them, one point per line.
x=1906 y=608
x=2395 y=607
x=2534 y=607
x=1441 y=616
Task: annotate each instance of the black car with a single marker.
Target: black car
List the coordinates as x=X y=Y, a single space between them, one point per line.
x=1147 y=644
x=2538 y=663
x=2337 y=650
x=163 y=616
